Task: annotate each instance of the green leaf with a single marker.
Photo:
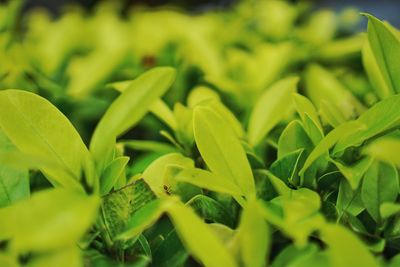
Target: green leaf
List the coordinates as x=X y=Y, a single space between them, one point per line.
x=111 y=173
x=321 y=85
x=170 y=253
x=355 y=172
x=374 y=72
x=184 y=131
x=291 y=255
x=198 y=238
x=388 y=209
x=287 y=167
x=313 y=131
x=89 y=72
x=270 y=109
x=331 y=114
x=221 y=149
x=120 y=205
x=253 y=235
x=296 y=214
x=159 y=108
x=384 y=149
x=280 y=187
x=201 y=94
x=293 y=138
x=344 y=248
x=14 y=182
x=225 y=113
x=144 y=145
x=14 y=185
x=8 y=260
x=50 y=137
x=341 y=49
x=211 y=210
x=155 y=173
x=304 y=106
x=128 y=109
x=349 y=200
x=67 y=257
x=385 y=46
x=144 y=218
x=389 y=115
x=49 y=220
x=330 y=140
x=207 y=180
x=380 y=184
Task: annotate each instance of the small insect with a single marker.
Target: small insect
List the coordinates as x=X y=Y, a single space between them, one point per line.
x=167 y=189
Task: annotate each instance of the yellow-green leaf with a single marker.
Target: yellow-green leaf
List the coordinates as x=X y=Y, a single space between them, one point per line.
x=221 y=149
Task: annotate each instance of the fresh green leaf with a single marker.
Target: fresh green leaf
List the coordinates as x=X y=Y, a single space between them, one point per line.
x=389 y=115
x=330 y=140
x=111 y=174
x=221 y=149
x=14 y=182
x=385 y=149
x=155 y=173
x=380 y=185
x=293 y=138
x=51 y=219
x=344 y=248
x=209 y=181
x=128 y=109
x=50 y=137
x=198 y=238
x=253 y=235
x=270 y=109
x=385 y=46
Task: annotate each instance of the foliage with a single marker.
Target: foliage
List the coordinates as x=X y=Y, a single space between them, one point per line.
x=266 y=134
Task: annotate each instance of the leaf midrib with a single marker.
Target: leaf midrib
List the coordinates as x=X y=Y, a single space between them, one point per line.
x=32 y=126
x=215 y=140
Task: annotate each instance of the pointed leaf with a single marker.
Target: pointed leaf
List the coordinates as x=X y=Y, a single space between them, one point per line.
x=221 y=149
x=271 y=108
x=128 y=109
x=39 y=129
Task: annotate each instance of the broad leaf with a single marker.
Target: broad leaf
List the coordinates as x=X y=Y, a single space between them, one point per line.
x=270 y=109
x=385 y=46
x=155 y=173
x=211 y=210
x=253 y=235
x=198 y=238
x=49 y=220
x=14 y=182
x=349 y=200
x=144 y=145
x=221 y=150
x=382 y=89
x=380 y=184
x=355 y=172
x=344 y=248
x=120 y=205
x=127 y=110
x=330 y=140
x=111 y=174
x=322 y=85
x=207 y=180
x=66 y=257
x=385 y=149
x=293 y=138
x=303 y=107
x=389 y=115
x=50 y=137
x=143 y=218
